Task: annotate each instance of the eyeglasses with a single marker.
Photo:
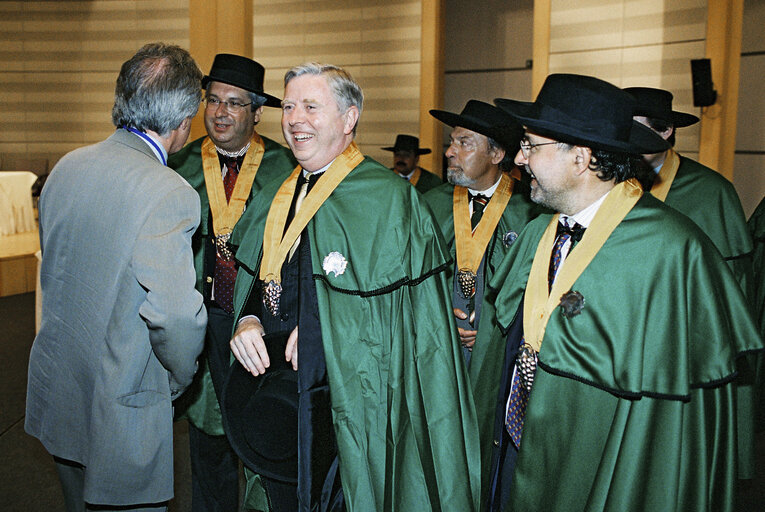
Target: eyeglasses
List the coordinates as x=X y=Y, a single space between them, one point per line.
x=527 y=146
x=232 y=106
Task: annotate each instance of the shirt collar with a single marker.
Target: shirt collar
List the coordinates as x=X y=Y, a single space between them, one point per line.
x=307 y=173
x=489 y=191
x=584 y=217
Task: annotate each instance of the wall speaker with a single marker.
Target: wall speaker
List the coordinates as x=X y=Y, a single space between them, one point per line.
x=704 y=93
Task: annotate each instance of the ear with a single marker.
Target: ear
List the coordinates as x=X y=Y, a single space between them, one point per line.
x=666 y=134
x=350 y=118
x=497 y=154
x=256 y=115
x=185 y=123
x=581 y=156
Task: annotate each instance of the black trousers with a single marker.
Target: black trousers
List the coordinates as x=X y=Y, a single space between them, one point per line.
x=72 y=477
x=214 y=465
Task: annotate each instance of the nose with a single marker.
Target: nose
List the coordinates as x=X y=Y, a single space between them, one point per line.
x=221 y=110
x=520 y=159
x=449 y=152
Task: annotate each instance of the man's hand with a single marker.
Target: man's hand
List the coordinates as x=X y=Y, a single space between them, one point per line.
x=248 y=346
x=467 y=338
x=291 y=350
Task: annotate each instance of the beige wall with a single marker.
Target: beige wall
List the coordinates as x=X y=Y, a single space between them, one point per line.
x=633 y=43
x=486 y=49
x=377 y=41
x=749 y=174
x=59 y=62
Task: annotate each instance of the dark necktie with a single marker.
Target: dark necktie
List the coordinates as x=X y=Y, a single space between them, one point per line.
x=564 y=234
x=303 y=189
x=479 y=205
x=519 y=395
x=232 y=171
x=225 y=270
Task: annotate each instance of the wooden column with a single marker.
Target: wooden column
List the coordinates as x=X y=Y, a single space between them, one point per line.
x=717 y=142
x=431 y=82
x=217 y=26
x=540 y=49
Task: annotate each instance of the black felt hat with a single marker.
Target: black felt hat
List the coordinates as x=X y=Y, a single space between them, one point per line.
x=486 y=119
x=260 y=414
x=585 y=110
x=408 y=143
x=657 y=103
x=240 y=72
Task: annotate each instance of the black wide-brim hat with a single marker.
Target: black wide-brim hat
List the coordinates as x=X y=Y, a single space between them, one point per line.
x=586 y=111
x=240 y=72
x=260 y=414
x=657 y=103
x=486 y=119
x=407 y=143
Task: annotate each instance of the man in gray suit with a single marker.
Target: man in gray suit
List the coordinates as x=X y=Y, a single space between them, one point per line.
x=122 y=324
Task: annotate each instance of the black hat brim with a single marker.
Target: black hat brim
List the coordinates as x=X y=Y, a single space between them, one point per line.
x=642 y=139
x=271 y=101
x=470 y=123
x=421 y=151
x=260 y=415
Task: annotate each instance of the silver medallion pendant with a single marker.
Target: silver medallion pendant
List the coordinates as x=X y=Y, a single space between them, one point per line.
x=223 y=247
x=466 y=280
x=272 y=292
x=527 y=365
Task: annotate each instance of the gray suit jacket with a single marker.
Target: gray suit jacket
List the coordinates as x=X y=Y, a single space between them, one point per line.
x=122 y=324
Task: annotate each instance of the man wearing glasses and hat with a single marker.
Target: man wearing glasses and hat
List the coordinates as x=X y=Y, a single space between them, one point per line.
x=623 y=325
x=712 y=203
x=480 y=211
x=406 y=156
x=228 y=168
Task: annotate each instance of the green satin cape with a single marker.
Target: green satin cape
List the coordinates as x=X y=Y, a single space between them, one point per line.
x=710 y=200
x=634 y=405
x=402 y=410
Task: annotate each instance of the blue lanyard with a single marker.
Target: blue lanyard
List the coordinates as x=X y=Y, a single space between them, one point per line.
x=150 y=141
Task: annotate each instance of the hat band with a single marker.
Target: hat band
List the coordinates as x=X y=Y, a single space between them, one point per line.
x=599 y=128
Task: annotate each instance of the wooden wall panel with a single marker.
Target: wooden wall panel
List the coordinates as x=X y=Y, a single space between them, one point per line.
x=377 y=41
x=59 y=61
x=633 y=43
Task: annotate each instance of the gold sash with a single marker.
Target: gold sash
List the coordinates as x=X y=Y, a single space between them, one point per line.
x=225 y=214
x=539 y=305
x=666 y=175
x=472 y=244
x=277 y=242
x=415 y=176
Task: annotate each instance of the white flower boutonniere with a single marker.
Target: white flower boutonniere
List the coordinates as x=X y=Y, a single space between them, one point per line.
x=334 y=262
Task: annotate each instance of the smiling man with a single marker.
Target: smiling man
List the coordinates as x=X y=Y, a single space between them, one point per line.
x=623 y=326
x=228 y=167
x=381 y=413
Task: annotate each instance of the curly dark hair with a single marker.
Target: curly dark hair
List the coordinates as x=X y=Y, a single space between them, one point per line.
x=609 y=165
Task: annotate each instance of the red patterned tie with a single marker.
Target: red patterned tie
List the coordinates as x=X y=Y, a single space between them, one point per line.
x=519 y=395
x=225 y=270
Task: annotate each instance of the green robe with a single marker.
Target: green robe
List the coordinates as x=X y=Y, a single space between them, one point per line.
x=428 y=181
x=710 y=200
x=485 y=366
x=757 y=229
x=401 y=407
x=633 y=405
x=202 y=405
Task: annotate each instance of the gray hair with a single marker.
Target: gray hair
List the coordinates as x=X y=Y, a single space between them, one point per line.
x=157 y=89
x=345 y=89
